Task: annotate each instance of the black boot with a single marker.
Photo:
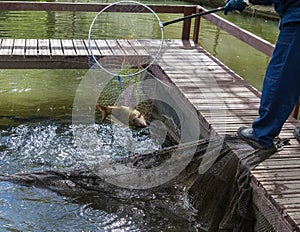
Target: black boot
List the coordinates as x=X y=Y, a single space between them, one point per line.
x=246 y=134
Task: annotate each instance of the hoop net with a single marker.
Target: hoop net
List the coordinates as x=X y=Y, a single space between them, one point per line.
x=129 y=91
x=125 y=38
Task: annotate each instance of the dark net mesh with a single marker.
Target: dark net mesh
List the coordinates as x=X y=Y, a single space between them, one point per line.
x=262 y=224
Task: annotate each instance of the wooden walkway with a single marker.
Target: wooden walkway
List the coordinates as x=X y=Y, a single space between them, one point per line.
x=225 y=102
x=222 y=99
x=46 y=53
x=62 y=53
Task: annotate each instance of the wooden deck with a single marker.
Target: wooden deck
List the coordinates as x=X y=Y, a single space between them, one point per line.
x=44 y=53
x=62 y=54
x=225 y=102
x=222 y=99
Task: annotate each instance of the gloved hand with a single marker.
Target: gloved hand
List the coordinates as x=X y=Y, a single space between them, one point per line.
x=232 y=5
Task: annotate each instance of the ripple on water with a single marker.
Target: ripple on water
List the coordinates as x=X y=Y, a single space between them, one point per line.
x=48 y=145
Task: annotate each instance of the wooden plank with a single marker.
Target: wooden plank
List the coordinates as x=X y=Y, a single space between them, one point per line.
x=103 y=48
x=115 y=47
x=216 y=78
x=289 y=202
x=278 y=167
x=19 y=47
x=169 y=52
x=56 y=47
x=152 y=47
x=295 y=214
x=285 y=164
x=282 y=187
x=152 y=43
x=193 y=93
x=290 y=196
x=6 y=47
x=274 y=190
x=92 y=48
x=184 y=66
x=138 y=47
x=276 y=162
x=226 y=106
x=202 y=73
x=80 y=47
x=277 y=175
x=31 y=47
x=272 y=172
x=178 y=43
x=68 y=48
x=126 y=46
x=43 y=47
x=217 y=99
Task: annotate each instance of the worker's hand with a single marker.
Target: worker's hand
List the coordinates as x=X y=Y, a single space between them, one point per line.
x=232 y=5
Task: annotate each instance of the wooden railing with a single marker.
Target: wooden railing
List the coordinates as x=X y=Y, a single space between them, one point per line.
x=96 y=7
x=243 y=35
x=249 y=38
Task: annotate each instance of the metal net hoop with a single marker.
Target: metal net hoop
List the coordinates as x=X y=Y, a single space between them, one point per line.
x=129 y=38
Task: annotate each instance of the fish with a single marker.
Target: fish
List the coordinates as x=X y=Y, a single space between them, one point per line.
x=123 y=114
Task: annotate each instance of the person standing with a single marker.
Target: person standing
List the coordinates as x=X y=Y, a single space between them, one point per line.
x=281 y=86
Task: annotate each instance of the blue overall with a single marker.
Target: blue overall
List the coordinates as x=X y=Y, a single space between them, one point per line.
x=281 y=87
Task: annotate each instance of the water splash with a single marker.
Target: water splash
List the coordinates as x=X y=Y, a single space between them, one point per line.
x=36 y=147
x=48 y=145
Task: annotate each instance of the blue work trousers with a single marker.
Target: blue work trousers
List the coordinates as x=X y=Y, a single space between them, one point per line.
x=281 y=87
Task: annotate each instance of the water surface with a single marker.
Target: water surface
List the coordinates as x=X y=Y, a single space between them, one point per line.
x=41 y=145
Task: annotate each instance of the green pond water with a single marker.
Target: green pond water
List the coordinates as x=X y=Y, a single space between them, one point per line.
x=36 y=131
x=51 y=92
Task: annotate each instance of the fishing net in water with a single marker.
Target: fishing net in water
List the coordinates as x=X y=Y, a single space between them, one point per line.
x=222 y=196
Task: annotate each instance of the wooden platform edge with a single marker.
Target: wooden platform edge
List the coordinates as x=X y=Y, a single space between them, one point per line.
x=262 y=200
x=280 y=220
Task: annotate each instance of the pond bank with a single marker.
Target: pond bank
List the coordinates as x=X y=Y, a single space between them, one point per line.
x=257 y=10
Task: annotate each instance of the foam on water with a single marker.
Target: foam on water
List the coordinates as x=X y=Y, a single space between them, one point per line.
x=50 y=144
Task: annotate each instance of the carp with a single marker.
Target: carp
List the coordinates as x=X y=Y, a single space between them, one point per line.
x=123 y=114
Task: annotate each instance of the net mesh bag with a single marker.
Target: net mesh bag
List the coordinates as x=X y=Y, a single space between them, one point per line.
x=223 y=194
x=128 y=91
